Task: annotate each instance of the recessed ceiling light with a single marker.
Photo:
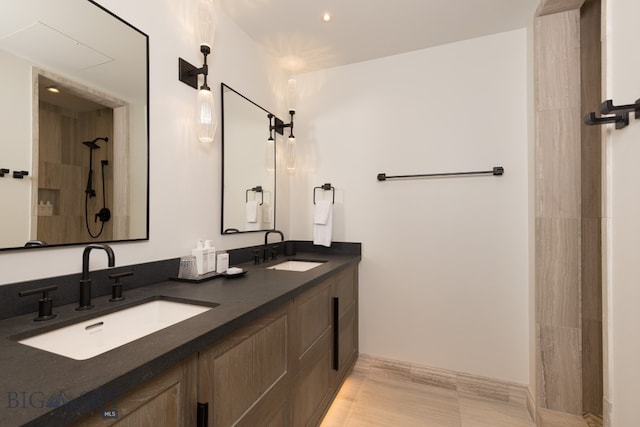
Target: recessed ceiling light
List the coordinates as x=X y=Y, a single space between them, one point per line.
x=326 y=17
x=53 y=89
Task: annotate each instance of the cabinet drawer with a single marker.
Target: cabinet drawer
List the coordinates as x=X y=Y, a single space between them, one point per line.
x=312 y=317
x=346 y=289
x=241 y=372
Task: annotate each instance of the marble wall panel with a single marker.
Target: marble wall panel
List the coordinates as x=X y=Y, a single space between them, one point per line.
x=557 y=151
x=559 y=363
x=558 y=272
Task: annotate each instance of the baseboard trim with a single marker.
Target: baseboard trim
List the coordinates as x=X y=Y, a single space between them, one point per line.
x=465 y=384
x=550 y=418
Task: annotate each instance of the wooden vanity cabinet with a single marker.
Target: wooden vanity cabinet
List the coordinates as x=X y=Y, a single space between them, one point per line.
x=285 y=368
x=345 y=322
x=245 y=377
x=282 y=369
x=167 y=400
x=312 y=354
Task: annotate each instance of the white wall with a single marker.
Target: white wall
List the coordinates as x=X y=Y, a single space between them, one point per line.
x=622 y=236
x=15 y=149
x=185 y=175
x=444 y=279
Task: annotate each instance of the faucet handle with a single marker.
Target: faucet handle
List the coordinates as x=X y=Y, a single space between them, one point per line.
x=256 y=256
x=274 y=252
x=45 y=304
x=116 y=288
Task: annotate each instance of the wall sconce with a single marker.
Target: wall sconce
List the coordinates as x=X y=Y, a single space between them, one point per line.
x=279 y=126
x=290 y=149
x=206 y=121
x=270 y=147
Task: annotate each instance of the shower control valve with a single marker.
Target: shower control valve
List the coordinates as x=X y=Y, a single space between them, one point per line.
x=104 y=215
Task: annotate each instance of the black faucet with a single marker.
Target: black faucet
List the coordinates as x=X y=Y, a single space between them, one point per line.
x=274 y=250
x=85 y=282
x=266 y=235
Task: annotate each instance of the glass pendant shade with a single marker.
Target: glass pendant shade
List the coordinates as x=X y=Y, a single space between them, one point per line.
x=270 y=155
x=206 y=27
x=292 y=95
x=206 y=122
x=290 y=154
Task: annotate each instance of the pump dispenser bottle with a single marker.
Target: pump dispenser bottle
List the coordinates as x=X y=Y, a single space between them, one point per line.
x=201 y=259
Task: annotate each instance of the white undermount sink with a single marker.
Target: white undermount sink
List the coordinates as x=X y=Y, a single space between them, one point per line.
x=89 y=338
x=296 y=265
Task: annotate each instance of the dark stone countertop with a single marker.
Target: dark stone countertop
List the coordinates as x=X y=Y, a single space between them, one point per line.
x=35 y=381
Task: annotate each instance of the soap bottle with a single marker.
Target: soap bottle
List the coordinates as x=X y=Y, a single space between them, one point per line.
x=222 y=262
x=201 y=260
x=210 y=255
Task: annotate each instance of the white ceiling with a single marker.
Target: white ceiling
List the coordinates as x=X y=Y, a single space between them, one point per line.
x=293 y=31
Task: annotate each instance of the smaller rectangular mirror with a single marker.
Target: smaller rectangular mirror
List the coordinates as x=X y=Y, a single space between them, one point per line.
x=248 y=165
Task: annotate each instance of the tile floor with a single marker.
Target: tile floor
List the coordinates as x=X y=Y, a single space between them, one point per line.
x=367 y=400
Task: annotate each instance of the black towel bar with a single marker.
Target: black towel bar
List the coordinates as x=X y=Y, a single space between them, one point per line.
x=496 y=171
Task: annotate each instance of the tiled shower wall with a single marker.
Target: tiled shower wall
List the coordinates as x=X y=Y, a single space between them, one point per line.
x=63 y=169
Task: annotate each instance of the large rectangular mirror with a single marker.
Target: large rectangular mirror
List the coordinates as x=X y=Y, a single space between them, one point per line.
x=75 y=99
x=248 y=165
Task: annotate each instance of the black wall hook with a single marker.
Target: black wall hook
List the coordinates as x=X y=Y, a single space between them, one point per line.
x=621 y=117
x=621 y=120
x=607 y=107
x=3 y=171
x=20 y=174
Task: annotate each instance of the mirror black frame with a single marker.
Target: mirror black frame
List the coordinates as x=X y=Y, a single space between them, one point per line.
x=223 y=86
x=147 y=127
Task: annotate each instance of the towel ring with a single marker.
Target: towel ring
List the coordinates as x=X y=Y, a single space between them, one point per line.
x=325 y=187
x=257 y=189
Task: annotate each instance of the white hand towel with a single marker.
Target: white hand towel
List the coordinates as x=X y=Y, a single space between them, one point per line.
x=321 y=212
x=252 y=211
x=252 y=219
x=322 y=223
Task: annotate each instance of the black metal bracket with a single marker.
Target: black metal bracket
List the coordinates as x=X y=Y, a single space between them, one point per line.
x=188 y=74
x=20 y=174
x=325 y=187
x=496 y=171
x=620 y=117
x=3 y=171
x=257 y=189
x=279 y=125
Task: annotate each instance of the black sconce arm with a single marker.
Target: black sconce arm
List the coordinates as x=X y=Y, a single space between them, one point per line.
x=188 y=73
